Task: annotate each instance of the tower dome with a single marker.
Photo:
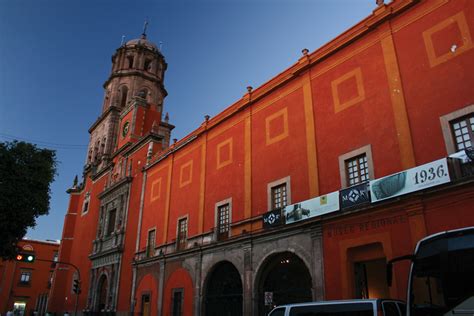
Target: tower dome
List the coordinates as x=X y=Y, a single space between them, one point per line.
x=142 y=41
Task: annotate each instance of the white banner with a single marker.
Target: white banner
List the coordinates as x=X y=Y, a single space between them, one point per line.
x=411 y=180
x=310 y=208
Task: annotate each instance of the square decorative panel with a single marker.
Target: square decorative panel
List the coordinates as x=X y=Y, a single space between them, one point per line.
x=348 y=90
x=186 y=174
x=276 y=126
x=224 y=153
x=447 y=39
x=155 y=190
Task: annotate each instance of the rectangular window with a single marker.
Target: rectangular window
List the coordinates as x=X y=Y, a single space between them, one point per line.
x=223 y=221
x=150 y=248
x=177 y=302
x=25 y=277
x=357 y=170
x=279 y=196
x=182 y=233
x=463 y=132
x=86 y=207
x=111 y=223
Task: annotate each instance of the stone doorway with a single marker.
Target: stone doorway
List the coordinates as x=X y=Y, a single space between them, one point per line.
x=102 y=294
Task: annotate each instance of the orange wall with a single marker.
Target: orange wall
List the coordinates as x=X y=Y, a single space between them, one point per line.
x=384 y=88
x=147 y=285
x=179 y=279
x=12 y=290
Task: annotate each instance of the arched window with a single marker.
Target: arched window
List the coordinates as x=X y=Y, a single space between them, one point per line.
x=143 y=93
x=147 y=65
x=123 y=97
x=130 y=61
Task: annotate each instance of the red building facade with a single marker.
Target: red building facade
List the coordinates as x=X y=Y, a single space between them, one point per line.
x=192 y=228
x=25 y=286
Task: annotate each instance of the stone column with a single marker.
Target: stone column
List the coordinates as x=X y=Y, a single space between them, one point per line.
x=161 y=287
x=317 y=262
x=247 y=284
x=197 y=287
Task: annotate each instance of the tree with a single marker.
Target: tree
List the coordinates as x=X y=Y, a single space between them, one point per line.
x=26 y=173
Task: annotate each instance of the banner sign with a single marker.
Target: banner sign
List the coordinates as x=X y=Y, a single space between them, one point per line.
x=310 y=208
x=411 y=180
x=272 y=218
x=355 y=195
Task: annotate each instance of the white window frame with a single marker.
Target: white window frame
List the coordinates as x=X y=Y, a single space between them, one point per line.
x=271 y=185
x=446 y=129
x=367 y=150
x=152 y=252
x=178 y=220
x=87 y=200
x=216 y=215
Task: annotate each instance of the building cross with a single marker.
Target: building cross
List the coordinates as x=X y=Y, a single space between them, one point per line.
x=144 y=27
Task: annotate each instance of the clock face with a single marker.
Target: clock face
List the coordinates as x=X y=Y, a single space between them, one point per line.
x=126 y=126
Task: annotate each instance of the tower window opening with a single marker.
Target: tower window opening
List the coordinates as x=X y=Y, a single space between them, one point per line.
x=123 y=100
x=130 y=61
x=147 y=65
x=143 y=93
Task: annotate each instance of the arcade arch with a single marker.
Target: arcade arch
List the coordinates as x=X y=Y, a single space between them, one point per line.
x=283 y=278
x=223 y=291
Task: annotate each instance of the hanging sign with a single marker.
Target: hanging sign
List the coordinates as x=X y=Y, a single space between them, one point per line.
x=310 y=208
x=355 y=196
x=272 y=218
x=411 y=180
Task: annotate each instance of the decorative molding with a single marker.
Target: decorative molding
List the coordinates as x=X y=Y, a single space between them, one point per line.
x=270 y=121
x=457 y=48
x=355 y=74
x=183 y=181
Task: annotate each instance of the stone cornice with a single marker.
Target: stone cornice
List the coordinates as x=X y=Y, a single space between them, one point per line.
x=138 y=73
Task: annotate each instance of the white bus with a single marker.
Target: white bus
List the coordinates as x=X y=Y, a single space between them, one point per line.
x=441 y=280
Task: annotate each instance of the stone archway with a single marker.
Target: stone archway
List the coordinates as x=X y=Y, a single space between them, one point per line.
x=102 y=288
x=223 y=292
x=284 y=279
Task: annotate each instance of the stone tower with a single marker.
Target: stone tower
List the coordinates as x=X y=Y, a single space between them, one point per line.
x=138 y=69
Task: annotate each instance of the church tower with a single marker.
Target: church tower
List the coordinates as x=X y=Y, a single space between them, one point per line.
x=138 y=69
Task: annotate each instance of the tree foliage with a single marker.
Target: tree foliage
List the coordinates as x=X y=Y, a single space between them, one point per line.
x=26 y=173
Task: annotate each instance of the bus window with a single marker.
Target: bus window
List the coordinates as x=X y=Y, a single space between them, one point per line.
x=443 y=277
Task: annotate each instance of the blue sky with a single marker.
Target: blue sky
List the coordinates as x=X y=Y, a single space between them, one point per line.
x=56 y=54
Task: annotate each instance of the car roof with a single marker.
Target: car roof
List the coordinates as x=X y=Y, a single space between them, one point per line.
x=353 y=301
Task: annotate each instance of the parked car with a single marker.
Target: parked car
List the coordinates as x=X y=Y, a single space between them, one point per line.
x=359 y=307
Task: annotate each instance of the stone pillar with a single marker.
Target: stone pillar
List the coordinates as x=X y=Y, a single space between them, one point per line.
x=247 y=284
x=317 y=262
x=197 y=288
x=161 y=287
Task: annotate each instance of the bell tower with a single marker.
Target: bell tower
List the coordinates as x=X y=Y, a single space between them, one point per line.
x=138 y=69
